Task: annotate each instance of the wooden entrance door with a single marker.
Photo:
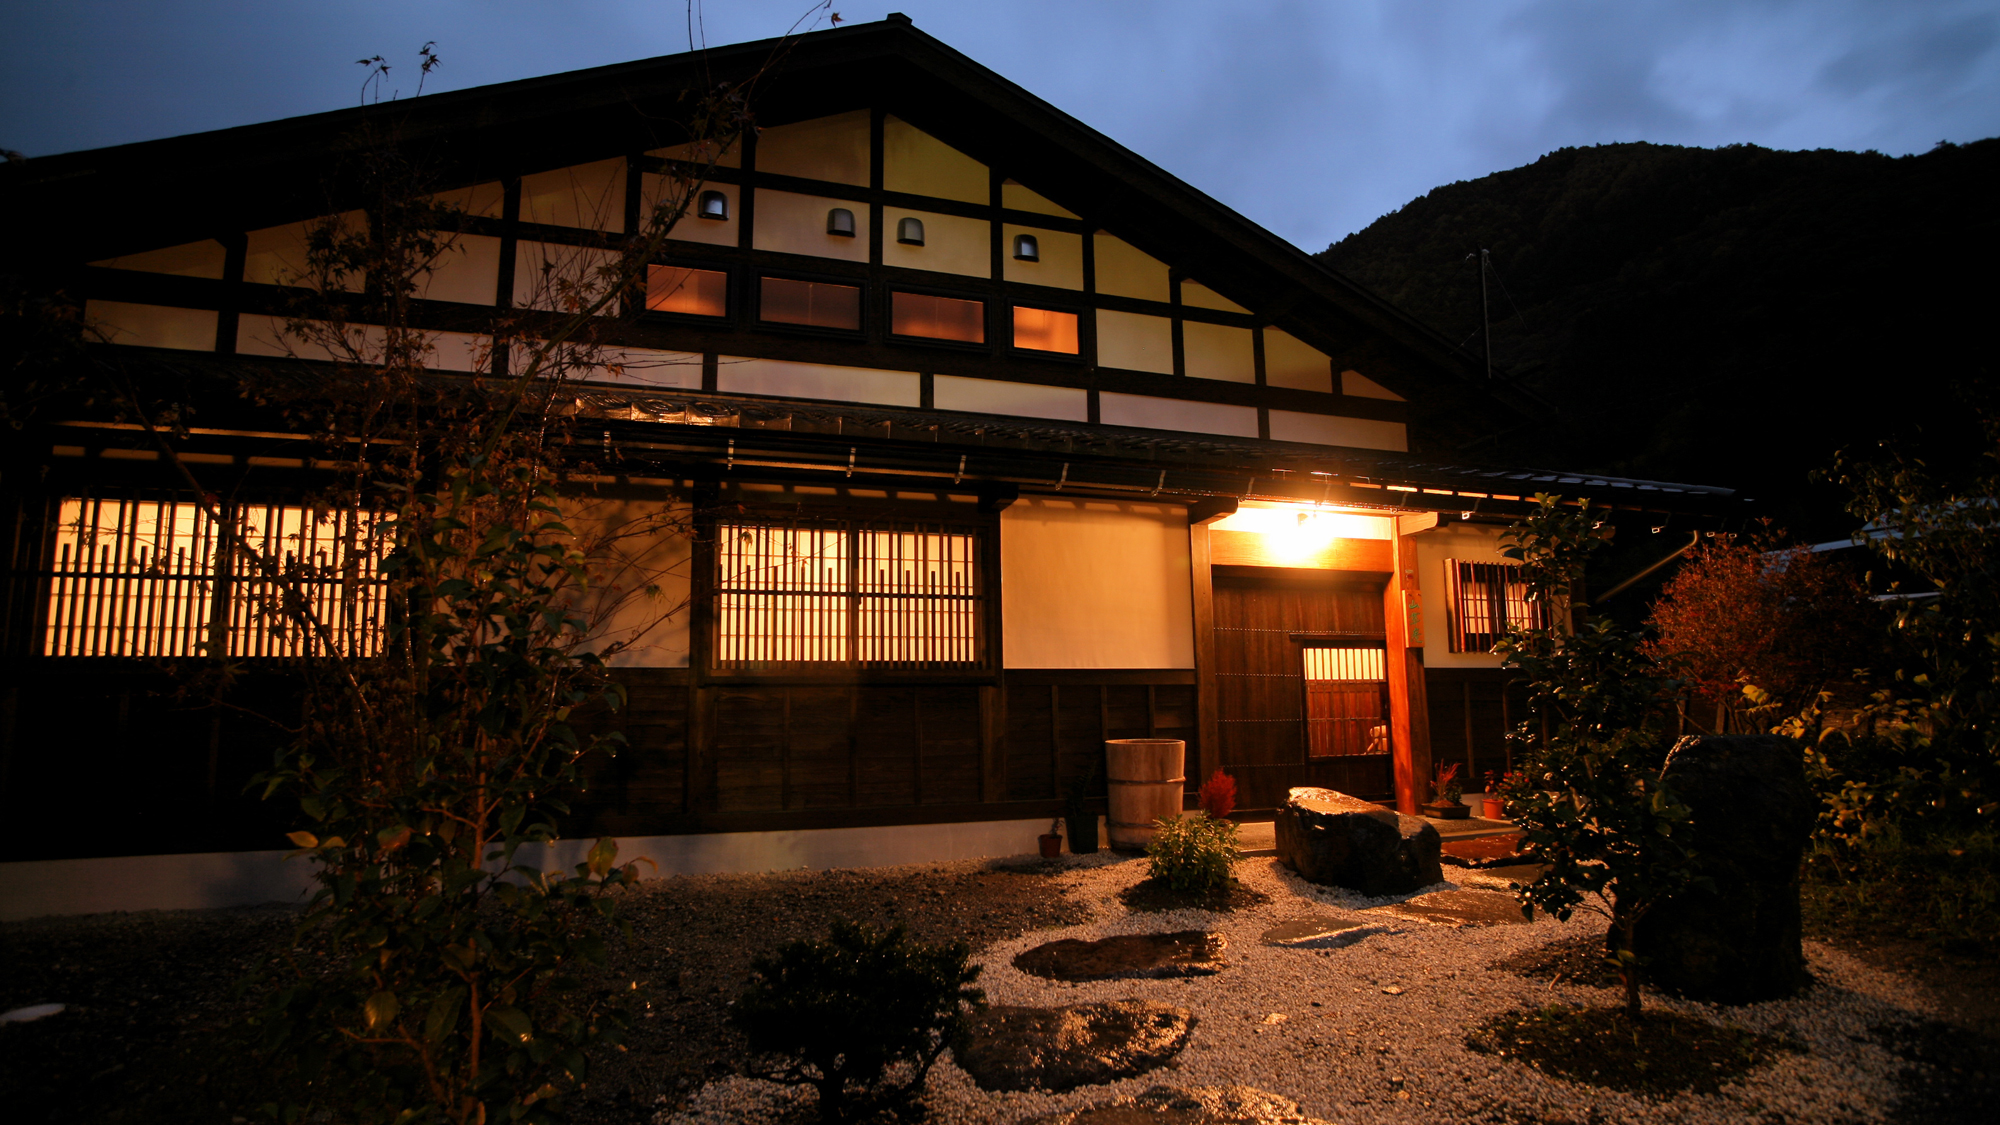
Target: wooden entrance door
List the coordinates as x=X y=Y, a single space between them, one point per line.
x=1276 y=728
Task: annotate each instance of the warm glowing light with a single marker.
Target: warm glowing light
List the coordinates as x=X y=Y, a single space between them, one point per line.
x=1299 y=531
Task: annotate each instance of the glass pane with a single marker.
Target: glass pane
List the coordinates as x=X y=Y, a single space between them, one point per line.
x=677 y=290
x=939 y=318
x=782 y=594
x=919 y=603
x=1045 y=330
x=817 y=304
x=131 y=578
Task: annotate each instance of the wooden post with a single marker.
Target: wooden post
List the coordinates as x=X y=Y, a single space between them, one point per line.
x=1207 y=756
x=1409 y=720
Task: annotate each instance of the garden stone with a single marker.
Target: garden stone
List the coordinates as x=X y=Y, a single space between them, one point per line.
x=1059 y=1049
x=1332 y=838
x=1752 y=812
x=1316 y=933
x=1461 y=908
x=1184 y=953
x=1187 y=1105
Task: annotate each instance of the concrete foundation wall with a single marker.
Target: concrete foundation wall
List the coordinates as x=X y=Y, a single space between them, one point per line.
x=218 y=879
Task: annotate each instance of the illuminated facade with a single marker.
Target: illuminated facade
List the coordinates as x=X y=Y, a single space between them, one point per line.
x=1025 y=445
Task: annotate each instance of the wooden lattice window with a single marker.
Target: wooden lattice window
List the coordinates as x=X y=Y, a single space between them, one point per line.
x=906 y=598
x=158 y=578
x=1482 y=600
x=1347 y=699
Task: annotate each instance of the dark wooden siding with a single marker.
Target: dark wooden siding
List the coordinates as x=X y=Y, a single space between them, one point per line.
x=1260 y=685
x=1471 y=710
x=1058 y=721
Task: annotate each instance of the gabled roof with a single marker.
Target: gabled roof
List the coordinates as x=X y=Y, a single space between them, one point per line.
x=101 y=202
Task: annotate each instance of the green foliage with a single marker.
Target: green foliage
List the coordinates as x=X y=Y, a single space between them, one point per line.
x=838 y=1014
x=1192 y=854
x=1942 y=887
x=1923 y=755
x=1589 y=799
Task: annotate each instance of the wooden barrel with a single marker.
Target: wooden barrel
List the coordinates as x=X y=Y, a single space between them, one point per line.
x=1147 y=776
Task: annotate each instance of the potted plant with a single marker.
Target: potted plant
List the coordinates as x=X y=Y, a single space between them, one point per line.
x=1051 y=841
x=1490 y=805
x=1447 y=790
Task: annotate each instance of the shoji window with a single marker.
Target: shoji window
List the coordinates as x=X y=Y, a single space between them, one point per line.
x=1482 y=600
x=904 y=598
x=1347 y=700
x=157 y=578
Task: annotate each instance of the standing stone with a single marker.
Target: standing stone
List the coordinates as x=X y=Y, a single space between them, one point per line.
x=1751 y=813
x=1333 y=838
x=1059 y=1049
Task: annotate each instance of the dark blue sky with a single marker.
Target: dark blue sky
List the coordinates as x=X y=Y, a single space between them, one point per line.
x=1342 y=110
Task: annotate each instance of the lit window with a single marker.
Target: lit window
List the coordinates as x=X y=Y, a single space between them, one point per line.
x=154 y=578
x=1347 y=701
x=713 y=205
x=907 y=599
x=1026 y=249
x=910 y=232
x=697 y=292
x=816 y=304
x=1482 y=600
x=840 y=221
x=1045 y=330
x=939 y=318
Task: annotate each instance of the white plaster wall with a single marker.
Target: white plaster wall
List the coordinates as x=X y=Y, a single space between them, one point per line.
x=1095 y=584
x=1467 y=543
x=210 y=880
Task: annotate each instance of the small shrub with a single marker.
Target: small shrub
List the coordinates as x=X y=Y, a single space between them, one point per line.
x=1192 y=854
x=838 y=1014
x=1218 y=795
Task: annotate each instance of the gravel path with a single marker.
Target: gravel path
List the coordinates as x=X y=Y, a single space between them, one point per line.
x=1374 y=1032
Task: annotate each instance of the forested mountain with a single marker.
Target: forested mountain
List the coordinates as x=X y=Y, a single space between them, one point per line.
x=1726 y=316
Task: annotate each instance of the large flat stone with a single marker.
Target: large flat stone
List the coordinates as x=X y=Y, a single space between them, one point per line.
x=1316 y=933
x=1187 y=1105
x=1183 y=953
x=1460 y=908
x=1059 y=1049
x=1329 y=837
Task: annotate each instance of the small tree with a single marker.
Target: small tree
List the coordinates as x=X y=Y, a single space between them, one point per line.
x=1924 y=753
x=1589 y=798
x=1790 y=623
x=838 y=1014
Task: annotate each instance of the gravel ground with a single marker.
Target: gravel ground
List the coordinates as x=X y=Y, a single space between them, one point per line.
x=1373 y=1032
x=146 y=1038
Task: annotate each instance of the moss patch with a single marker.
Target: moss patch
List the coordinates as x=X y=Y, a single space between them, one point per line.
x=1665 y=1053
x=1153 y=895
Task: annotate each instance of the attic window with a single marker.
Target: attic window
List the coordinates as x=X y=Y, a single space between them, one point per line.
x=840 y=221
x=938 y=318
x=815 y=304
x=675 y=289
x=1044 y=330
x=1026 y=249
x=713 y=205
x=910 y=232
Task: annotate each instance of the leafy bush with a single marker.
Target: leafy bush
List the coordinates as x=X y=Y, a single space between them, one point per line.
x=838 y=1014
x=1192 y=854
x=1941 y=887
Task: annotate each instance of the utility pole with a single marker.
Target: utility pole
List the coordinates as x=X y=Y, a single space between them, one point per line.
x=1485 y=318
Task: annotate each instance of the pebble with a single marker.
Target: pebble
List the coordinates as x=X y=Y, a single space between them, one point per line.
x=1373 y=1033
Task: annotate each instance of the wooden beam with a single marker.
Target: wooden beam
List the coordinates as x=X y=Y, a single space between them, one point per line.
x=1211 y=509
x=1206 y=757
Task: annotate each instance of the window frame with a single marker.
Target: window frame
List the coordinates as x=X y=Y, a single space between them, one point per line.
x=117 y=592
x=756 y=311
x=1014 y=350
x=982 y=527
x=730 y=299
x=985 y=303
x=1461 y=577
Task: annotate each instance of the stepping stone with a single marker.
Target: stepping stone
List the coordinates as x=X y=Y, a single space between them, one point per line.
x=1482 y=849
x=1460 y=908
x=1187 y=1105
x=1059 y=1049
x=1317 y=933
x=1523 y=873
x=1183 y=953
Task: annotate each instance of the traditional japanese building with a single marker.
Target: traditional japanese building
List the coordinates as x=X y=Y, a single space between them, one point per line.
x=1023 y=443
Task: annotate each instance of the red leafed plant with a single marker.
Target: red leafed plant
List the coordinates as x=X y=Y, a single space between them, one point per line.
x=1218 y=795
